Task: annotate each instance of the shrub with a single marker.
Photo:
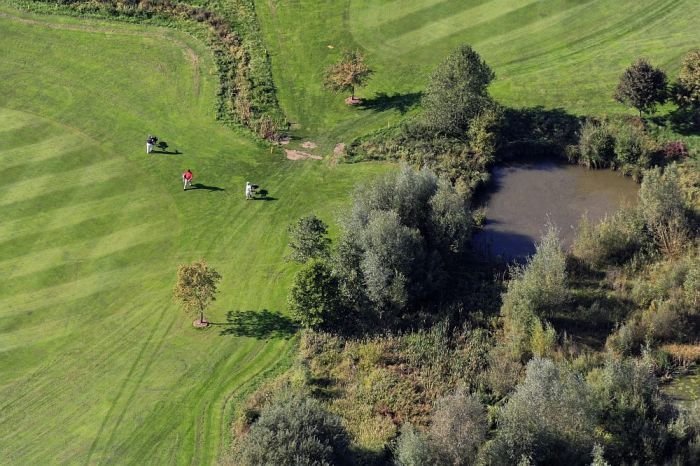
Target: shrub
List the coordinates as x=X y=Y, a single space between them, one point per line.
x=596 y=145
x=633 y=147
x=550 y=418
x=674 y=150
x=413 y=449
x=612 y=241
x=536 y=289
x=662 y=206
x=458 y=428
x=294 y=430
x=633 y=412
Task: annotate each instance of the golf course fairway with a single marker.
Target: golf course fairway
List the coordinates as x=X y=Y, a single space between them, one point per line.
x=98 y=365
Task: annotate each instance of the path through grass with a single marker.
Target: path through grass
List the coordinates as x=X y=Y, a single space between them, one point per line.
x=98 y=365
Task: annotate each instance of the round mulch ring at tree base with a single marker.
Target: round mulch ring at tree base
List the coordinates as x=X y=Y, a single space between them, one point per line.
x=353 y=100
x=200 y=323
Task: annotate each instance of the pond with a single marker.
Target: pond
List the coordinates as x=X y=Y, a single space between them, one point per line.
x=522 y=197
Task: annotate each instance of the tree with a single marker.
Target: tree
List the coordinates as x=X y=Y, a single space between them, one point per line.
x=399 y=239
x=295 y=430
x=687 y=89
x=313 y=299
x=196 y=287
x=642 y=86
x=457 y=92
x=350 y=72
x=308 y=239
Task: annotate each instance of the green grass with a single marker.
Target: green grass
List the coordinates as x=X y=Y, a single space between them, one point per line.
x=98 y=365
x=555 y=53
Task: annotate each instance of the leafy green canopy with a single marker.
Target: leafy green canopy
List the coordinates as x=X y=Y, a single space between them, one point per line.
x=401 y=240
x=457 y=92
x=350 y=72
x=642 y=86
x=196 y=286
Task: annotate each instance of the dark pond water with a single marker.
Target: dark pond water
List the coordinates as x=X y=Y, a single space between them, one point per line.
x=524 y=195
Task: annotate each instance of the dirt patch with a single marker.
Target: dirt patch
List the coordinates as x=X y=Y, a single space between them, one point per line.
x=200 y=323
x=353 y=100
x=339 y=149
x=299 y=155
x=309 y=145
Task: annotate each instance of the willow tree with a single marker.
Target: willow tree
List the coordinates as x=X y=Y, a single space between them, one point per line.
x=196 y=287
x=350 y=72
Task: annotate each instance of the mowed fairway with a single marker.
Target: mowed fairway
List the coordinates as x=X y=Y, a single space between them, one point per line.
x=554 y=53
x=97 y=365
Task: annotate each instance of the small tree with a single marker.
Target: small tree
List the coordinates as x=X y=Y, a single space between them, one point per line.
x=457 y=92
x=314 y=298
x=642 y=86
x=308 y=240
x=196 y=287
x=350 y=72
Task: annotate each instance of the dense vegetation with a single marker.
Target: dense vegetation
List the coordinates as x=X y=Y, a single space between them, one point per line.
x=417 y=350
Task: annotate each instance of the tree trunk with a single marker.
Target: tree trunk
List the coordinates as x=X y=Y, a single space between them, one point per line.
x=201 y=315
x=353 y=93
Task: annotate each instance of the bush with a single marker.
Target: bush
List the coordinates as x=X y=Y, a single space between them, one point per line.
x=536 y=289
x=661 y=203
x=295 y=430
x=550 y=419
x=413 y=449
x=613 y=241
x=596 y=145
x=458 y=428
x=633 y=411
x=633 y=147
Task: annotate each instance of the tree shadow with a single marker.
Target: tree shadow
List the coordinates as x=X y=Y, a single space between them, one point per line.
x=383 y=101
x=685 y=121
x=538 y=131
x=163 y=149
x=258 y=324
x=206 y=188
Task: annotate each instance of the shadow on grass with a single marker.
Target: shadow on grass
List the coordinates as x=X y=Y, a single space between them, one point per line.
x=258 y=324
x=163 y=149
x=685 y=121
x=206 y=188
x=383 y=101
x=263 y=195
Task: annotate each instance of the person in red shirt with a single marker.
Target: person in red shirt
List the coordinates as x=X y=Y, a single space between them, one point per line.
x=187 y=179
